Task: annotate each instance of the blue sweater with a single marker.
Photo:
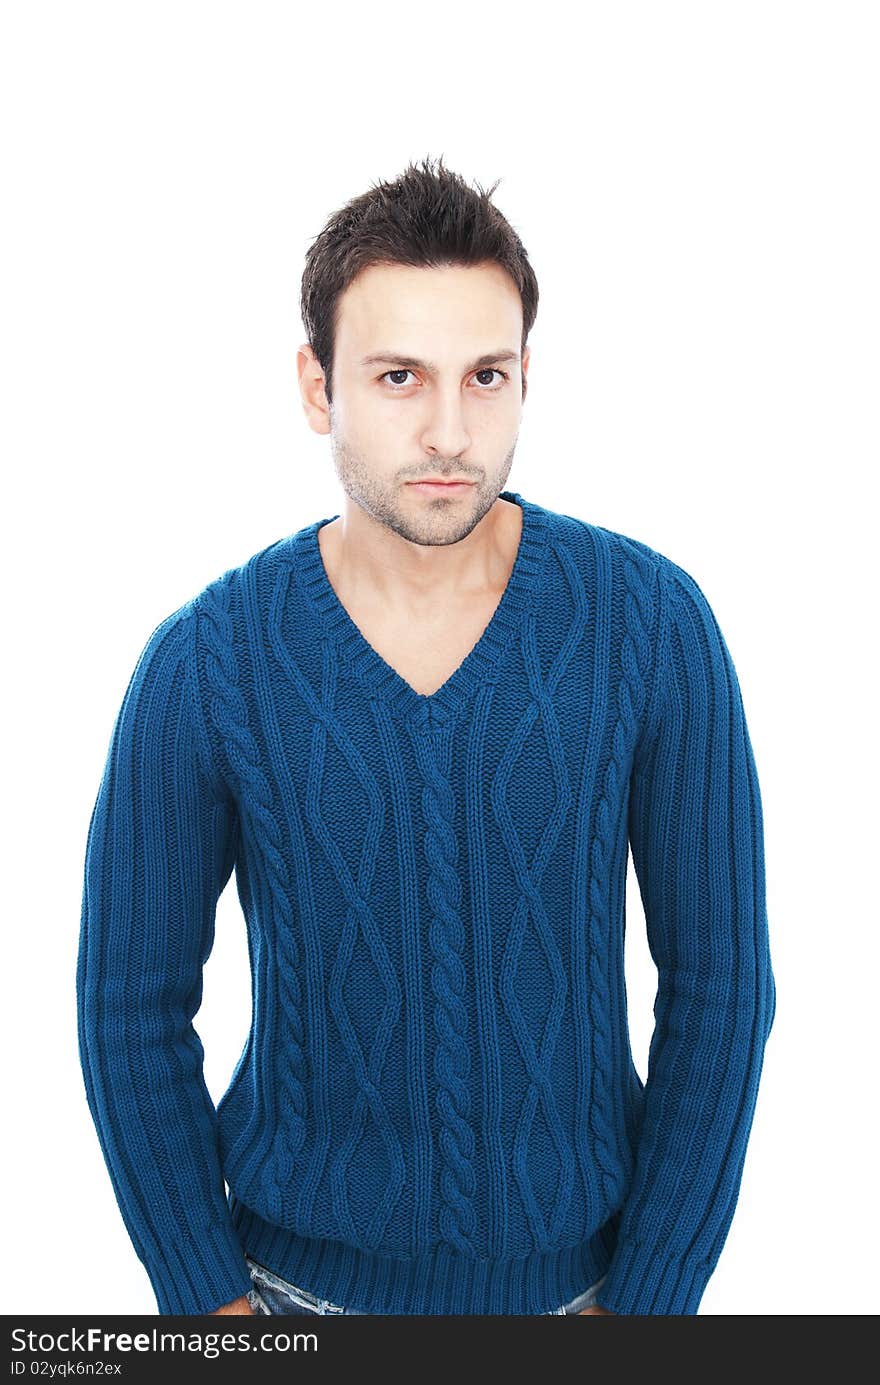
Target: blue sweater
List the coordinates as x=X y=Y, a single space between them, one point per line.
x=436 y=1110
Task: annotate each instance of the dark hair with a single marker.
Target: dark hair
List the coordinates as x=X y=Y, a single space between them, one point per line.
x=426 y=217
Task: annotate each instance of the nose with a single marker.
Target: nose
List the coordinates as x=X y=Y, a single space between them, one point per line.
x=445 y=431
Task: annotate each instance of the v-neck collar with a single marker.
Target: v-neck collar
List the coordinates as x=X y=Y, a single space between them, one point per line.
x=477 y=666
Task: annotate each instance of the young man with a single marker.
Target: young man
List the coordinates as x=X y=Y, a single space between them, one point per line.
x=424 y=733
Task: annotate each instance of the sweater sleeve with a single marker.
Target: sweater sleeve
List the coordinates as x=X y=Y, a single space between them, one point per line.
x=696 y=834
x=160 y=849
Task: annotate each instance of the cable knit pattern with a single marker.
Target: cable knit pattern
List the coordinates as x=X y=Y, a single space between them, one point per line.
x=635 y=660
x=449 y=982
x=436 y=1109
x=255 y=799
x=539 y=719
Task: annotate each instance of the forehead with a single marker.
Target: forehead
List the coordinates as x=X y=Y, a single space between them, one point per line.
x=405 y=308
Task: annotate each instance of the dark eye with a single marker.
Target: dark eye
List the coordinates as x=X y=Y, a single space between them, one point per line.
x=491 y=370
x=395 y=382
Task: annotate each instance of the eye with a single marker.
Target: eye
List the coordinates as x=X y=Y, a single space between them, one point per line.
x=397 y=385
x=492 y=370
x=481 y=389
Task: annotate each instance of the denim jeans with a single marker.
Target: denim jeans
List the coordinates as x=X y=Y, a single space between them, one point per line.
x=271 y=1294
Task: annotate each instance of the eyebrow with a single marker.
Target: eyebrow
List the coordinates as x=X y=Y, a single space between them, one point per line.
x=413 y=363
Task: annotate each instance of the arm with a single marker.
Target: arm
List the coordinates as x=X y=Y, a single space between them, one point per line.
x=159 y=852
x=696 y=833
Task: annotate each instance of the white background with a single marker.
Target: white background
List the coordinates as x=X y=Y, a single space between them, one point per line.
x=696 y=185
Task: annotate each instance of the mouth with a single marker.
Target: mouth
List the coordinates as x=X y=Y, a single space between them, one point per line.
x=440 y=486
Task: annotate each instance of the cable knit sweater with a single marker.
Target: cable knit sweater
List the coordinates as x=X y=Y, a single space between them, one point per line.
x=436 y=1110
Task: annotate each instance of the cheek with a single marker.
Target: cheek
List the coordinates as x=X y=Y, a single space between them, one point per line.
x=498 y=418
x=375 y=418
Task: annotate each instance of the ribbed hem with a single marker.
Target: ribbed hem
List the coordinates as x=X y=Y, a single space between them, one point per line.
x=441 y=1281
x=201 y=1273
x=644 y=1280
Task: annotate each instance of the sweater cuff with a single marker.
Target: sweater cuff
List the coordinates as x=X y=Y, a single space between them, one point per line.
x=643 y=1279
x=200 y=1274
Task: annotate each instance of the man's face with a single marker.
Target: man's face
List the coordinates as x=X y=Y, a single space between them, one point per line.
x=427 y=382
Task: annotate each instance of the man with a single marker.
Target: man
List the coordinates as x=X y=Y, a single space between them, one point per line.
x=424 y=733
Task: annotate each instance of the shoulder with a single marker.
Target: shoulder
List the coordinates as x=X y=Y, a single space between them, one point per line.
x=231 y=581
x=626 y=556
x=654 y=600
x=166 y=646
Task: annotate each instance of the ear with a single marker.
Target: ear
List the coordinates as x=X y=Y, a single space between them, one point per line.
x=526 y=357
x=311 y=388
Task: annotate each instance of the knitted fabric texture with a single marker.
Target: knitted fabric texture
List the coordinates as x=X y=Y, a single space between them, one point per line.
x=436 y=1109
